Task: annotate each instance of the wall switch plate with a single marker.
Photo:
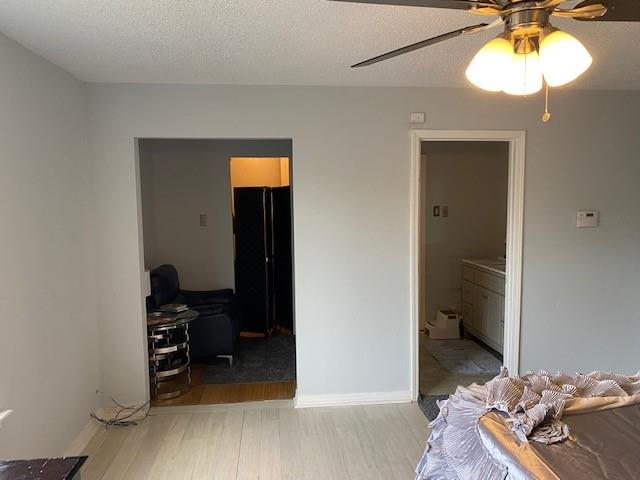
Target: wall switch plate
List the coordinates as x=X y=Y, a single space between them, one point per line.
x=588 y=219
x=203 y=220
x=417 y=117
x=444 y=210
x=436 y=210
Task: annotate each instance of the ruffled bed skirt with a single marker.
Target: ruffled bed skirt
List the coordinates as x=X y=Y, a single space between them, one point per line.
x=532 y=405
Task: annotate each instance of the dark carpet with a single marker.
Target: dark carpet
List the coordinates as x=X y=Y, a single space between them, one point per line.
x=428 y=405
x=268 y=359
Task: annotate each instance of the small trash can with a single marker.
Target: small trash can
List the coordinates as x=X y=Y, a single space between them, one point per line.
x=445 y=326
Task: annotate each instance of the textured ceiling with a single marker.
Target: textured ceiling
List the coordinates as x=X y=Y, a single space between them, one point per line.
x=291 y=42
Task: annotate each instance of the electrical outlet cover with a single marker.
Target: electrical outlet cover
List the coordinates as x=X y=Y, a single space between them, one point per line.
x=417 y=117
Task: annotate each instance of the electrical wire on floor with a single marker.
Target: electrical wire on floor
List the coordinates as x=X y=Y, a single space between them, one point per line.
x=123 y=416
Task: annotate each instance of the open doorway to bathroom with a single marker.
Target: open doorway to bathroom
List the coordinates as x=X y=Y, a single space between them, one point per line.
x=462 y=262
x=218 y=243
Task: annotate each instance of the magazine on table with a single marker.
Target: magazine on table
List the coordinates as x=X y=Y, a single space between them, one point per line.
x=173 y=308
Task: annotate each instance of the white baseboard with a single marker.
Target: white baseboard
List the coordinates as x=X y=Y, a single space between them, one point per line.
x=343 y=399
x=77 y=446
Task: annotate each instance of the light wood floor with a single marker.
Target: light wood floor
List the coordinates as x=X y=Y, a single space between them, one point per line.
x=208 y=394
x=263 y=441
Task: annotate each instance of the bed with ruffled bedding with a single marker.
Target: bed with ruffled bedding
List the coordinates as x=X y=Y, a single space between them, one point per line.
x=537 y=426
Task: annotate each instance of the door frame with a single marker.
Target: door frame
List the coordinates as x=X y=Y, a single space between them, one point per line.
x=515 y=234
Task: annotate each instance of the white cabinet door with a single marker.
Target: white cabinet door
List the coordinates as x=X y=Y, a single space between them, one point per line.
x=480 y=309
x=501 y=322
x=494 y=317
x=467 y=291
x=467 y=314
x=486 y=313
x=483 y=305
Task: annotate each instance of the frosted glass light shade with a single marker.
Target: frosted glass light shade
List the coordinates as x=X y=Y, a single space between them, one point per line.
x=563 y=58
x=524 y=74
x=488 y=67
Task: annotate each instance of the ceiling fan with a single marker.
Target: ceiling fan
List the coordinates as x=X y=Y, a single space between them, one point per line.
x=530 y=50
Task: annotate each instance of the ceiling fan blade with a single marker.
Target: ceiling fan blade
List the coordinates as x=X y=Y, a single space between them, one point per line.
x=451 y=4
x=424 y=43
x=617 y=10
x=588 y=12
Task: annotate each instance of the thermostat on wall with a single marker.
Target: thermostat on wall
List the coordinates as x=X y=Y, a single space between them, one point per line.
x=588 y=219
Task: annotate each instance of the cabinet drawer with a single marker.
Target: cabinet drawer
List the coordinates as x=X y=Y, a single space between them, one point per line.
x=467 y=314
x=489 y=281
x=467 y=272
x=467 y=291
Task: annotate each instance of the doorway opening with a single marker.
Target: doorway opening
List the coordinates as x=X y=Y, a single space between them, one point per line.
x=211 y=249
x=466 y=250
x=261 y=211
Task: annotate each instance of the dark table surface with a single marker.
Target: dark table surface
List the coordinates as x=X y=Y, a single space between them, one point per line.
x=161 y=319
x=41 y=469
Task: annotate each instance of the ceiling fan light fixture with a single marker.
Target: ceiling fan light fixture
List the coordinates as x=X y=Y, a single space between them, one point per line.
x=487 y=68
x=524 y=74
x=563 y=58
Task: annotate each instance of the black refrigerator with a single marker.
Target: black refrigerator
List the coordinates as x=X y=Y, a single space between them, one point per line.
x=263 y=258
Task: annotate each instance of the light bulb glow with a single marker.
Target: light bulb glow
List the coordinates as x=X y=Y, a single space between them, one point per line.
x=523 y=75
x=488 y=67
x=563 y=58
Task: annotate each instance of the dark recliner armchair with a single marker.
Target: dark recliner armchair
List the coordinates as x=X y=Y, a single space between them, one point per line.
x=217 y=329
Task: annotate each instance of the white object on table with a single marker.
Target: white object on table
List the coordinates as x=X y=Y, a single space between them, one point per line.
x=147 y=284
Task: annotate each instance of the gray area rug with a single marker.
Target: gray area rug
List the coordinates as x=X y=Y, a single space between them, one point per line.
x=268 y=359
x=428 y=405
x=463 y=356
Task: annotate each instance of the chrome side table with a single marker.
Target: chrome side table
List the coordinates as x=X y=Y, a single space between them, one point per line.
x=169 y=358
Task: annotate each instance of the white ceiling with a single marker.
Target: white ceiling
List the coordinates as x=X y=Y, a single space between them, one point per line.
x=291 y=42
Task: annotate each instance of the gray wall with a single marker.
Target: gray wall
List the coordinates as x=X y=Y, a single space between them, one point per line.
x=71 y=230
x=181 y=179
x=351 y=219
x=48 y=341
x=471 y=178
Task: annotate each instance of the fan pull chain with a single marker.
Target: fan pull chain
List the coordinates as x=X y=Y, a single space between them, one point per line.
x=546 y=116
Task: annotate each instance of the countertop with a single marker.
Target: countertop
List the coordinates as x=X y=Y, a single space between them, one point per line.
x=492 y=265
